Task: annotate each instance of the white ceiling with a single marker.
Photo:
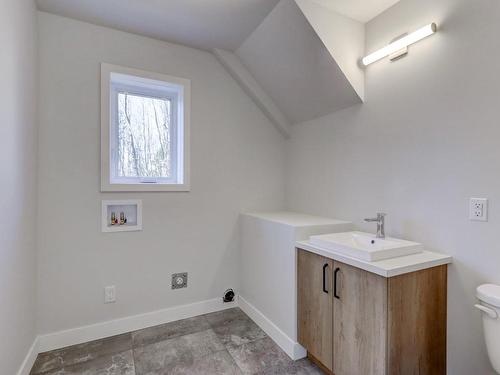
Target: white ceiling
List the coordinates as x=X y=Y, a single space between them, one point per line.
x=359 y=10
x=203 y=24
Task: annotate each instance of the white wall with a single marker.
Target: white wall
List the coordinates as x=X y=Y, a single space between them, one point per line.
x=268 y=270
x=237 y=164
x=18 y=139
x=424 y=143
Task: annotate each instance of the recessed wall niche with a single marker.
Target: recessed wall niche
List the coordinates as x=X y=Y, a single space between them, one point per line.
x=121 y=215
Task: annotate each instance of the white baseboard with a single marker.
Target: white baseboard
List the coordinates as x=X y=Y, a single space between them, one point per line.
x=98 y=331
x=294 y=350
x=29 y=360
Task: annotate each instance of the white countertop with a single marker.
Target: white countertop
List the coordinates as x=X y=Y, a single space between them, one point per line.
x=388 y=267
x=294 y=219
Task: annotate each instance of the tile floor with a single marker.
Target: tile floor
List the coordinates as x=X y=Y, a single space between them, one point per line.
x=225 y=342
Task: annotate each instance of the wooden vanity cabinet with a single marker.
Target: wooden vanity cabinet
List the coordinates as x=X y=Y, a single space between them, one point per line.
x=315 y=306
x=363 y=323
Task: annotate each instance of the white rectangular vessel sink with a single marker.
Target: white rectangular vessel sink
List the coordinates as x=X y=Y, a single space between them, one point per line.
x=365 y=246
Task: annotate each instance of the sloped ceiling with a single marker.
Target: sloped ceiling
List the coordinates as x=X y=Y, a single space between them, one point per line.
x=359 y=10
x=249 y=84
x=297 y=59
x=342 y=36
x=291 y=63
x=204 y=24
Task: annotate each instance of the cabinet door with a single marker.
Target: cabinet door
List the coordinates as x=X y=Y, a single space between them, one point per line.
x=360 y=322
x=417 y=322
x=315 y=308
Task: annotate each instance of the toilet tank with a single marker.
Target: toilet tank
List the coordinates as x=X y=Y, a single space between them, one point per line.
x=489 y=297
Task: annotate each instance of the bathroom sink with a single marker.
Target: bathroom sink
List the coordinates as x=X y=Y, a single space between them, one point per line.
x=365 y=246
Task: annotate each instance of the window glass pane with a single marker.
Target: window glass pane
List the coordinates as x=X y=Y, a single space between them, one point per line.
x=144 y=137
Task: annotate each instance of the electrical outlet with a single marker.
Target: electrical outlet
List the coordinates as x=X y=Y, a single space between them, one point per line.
x=478 y=210
x=110 y=294
x=179 y=280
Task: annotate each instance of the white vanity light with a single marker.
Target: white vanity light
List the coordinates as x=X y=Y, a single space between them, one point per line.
x=400 y=44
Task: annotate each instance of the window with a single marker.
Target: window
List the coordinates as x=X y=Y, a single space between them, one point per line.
x=144 y=131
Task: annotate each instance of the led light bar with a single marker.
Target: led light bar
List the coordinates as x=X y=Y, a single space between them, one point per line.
x=400 y=44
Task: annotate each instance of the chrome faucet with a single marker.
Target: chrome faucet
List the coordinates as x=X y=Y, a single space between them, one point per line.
x=380 y=220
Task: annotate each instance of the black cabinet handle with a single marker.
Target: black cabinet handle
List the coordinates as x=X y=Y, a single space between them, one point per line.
x=325 y=266
x=335 y=283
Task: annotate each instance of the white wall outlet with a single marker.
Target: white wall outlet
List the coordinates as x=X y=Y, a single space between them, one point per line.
x=110 y=294
x=478 y=210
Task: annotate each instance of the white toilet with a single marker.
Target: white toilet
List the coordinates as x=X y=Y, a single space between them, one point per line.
x=489 y=297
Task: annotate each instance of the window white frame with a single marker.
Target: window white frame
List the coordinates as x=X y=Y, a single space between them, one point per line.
x=115 y=79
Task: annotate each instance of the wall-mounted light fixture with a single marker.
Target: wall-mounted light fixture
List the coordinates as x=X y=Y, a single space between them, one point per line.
x=401 y=44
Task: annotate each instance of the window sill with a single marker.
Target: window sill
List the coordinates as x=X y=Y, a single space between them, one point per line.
x=145 y=188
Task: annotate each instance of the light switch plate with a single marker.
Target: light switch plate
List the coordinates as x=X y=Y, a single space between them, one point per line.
x=478 y=209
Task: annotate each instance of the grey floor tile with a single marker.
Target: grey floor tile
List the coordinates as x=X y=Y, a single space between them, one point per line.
x=301 y=367
x=238 y=332
x=162 y=357
x=234 y=345
x=170 y=330
x=114 y=364
x=258 y=356
x=81 y=353
x=220 y=363
x=225 y=317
